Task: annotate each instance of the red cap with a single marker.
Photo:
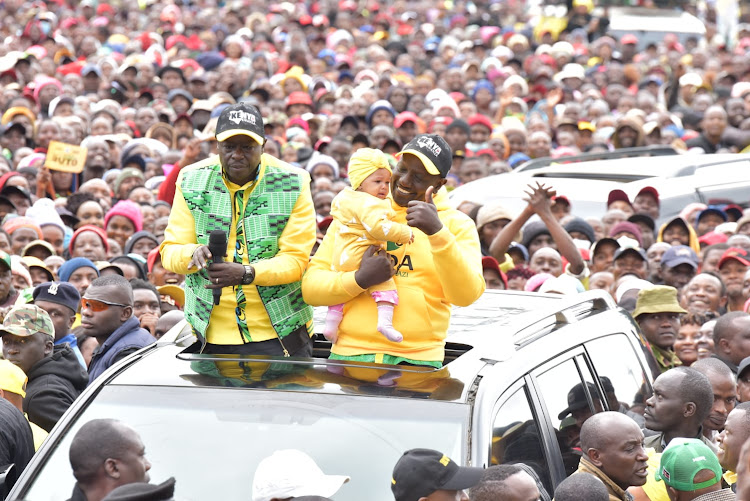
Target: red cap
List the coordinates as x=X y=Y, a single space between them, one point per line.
x=650 y=190
x=734 y=253
x=299 y=97
x=151 y=260
x=479 y=119
x=561 y=198
x=405 y=116
x=713 y=237
x=628 y=39
x=487 y=151
x=490 y=263
x=104 y=8
x=618 y=195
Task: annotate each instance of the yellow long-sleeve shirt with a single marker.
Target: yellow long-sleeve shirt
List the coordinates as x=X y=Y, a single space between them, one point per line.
x=364 y=220
x=433 y=273
x=288 y=265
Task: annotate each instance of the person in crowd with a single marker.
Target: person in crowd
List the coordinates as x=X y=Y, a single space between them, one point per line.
x=705 y=292
x=732 y=267
x=16 y=441
x=146 y=304
x=682 y=400
x=105 y=454
x=13 y=383
x=425 y=474
x=61 y=301
x=725 y=394
x=613 y=452
x=583 y=487
x=56 y=378
x=690 y=470
x=510 y=482
x=267 y=266
x=678 y=266
x=446 y=240
x=107 y=315
x=273 y=482
x=658 y=315
x=729 y=334
x=730 y=441
x=743 y=381
x=695 y=339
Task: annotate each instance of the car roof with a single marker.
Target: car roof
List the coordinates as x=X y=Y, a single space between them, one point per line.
x=493 y=329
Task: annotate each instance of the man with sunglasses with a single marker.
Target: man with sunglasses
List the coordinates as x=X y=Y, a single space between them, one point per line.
x=107 y=315
x=264 y=207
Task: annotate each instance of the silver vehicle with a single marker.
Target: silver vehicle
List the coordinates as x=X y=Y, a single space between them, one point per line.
x=511 y=360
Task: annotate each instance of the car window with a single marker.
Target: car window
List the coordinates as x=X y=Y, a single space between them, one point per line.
x=569 y=403
x=211 y=440
x=624 y=382
x=516 y=438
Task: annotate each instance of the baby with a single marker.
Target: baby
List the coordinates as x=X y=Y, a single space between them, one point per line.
x=365 y=218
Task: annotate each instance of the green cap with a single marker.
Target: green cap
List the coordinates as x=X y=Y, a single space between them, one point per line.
x=657 y=299
x=27 y=320
x=682 y=460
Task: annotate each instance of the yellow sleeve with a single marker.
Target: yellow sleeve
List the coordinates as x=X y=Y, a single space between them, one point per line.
x=379 y=225
x=295 y=244
x=323 y=287
x=180 y=240
x=458 y=261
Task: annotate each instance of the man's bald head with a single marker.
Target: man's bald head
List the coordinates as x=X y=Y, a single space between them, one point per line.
x=598 y=430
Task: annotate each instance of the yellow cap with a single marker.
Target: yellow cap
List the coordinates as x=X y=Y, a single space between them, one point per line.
x=12 y=378
x=364 y=162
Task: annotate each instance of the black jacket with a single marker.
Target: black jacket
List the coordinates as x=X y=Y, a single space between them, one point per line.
x=54 y=383
x=16 y=440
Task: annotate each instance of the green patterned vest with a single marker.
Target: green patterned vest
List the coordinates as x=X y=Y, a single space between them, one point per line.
x=264 y=219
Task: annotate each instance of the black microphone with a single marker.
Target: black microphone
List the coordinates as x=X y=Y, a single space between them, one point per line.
x=217 y=244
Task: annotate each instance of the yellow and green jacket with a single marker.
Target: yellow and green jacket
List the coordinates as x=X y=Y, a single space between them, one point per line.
x=278 y=226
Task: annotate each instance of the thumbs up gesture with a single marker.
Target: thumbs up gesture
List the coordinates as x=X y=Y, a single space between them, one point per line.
x=424 y=215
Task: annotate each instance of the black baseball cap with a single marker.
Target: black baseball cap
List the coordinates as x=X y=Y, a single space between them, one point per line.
x=577 y=399
x=635 y=250
x=420 y=472
x=433 y=151
x=58 y=292
x=743 y=365
x=240 y=119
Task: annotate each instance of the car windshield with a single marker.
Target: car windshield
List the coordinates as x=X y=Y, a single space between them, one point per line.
x=212 y=439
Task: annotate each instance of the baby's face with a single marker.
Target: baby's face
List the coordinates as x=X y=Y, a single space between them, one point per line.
x=377 y=184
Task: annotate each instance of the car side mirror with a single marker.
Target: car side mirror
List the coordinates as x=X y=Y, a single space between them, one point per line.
x=7 y=475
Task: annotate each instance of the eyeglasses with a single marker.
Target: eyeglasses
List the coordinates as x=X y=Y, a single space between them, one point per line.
x=97 y=305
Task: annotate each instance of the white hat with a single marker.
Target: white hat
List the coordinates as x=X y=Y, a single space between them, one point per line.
x=291 y=473
x=691 y=79
x=571 y=70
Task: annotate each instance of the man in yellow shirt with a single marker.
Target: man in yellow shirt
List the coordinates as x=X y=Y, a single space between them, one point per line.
x=265 y=208
x=441 y=268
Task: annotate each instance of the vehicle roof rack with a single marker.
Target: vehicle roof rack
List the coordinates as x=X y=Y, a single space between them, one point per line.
x=641 y=151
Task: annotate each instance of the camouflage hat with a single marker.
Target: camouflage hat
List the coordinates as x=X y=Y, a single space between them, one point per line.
x=27 y=320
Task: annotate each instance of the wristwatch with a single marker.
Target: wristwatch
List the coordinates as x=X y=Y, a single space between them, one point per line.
x=249 y=275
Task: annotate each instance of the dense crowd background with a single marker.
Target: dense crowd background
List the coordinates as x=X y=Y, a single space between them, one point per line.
x=141 y=84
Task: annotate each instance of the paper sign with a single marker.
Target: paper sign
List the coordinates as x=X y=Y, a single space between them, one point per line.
x=65 y=157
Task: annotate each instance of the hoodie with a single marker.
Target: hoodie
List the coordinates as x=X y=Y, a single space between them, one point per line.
x=54 y=383
x=432 y=274
x=633 y=124
x=693 y=236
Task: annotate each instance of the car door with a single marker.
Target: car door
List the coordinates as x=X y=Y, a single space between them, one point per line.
x=526 y=422
x=619 y=366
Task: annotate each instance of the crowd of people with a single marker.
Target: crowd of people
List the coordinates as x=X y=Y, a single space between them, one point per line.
x=287 y=127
